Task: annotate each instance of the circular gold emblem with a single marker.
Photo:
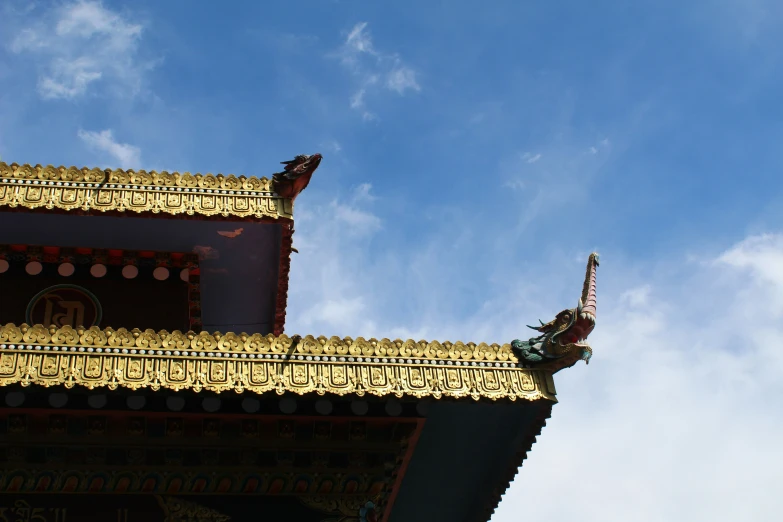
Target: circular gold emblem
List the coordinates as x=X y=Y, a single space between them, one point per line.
x=64 y=305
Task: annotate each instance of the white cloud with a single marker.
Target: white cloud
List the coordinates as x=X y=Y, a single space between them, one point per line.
x=80 y=44
x=515 y=184
x=637 y=297
x=359 y=41
x=603 y=144
x=402 y=78
x=332 y=146
x=357 y=103
x=327 y=281
x=68 y=79
x=555 y=175
x=337 y=311
x=363 y=194
x=531 y=158
x=352 y=217
x=126 y=156
x=357 y=221
x=369 y=65
x=761 y=256
x=357 y=99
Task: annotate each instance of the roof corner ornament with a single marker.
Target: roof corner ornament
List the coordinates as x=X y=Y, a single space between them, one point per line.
x=296 y=175
x=563 y=340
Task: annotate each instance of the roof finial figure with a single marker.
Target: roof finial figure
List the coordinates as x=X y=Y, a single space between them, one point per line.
x=563 y=340
x=296 y=175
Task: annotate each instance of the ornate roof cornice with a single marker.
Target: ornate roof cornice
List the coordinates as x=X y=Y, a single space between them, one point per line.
x=86 y=190
x=241 y=362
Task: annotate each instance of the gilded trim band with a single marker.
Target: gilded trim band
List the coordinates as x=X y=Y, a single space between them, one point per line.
x=217 y=362
x=85 y=189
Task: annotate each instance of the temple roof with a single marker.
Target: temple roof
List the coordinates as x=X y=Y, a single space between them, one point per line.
x=155 y=193
x=491 y=400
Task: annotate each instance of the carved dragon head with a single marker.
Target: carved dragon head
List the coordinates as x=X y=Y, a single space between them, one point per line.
x=564 y=339
x=300 y=165
x=296 y=175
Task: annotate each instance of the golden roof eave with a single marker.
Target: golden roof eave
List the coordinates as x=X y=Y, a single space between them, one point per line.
x=218 y=362
x=96 y=190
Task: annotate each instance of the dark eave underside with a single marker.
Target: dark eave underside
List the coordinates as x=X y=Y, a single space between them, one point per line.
x=466 y=457
x=462 y=461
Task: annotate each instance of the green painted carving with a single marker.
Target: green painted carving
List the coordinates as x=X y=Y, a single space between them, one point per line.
x=563 y=340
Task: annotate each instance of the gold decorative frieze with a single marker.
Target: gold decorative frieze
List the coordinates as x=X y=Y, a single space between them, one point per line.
x=71 y=188
x=219 y=362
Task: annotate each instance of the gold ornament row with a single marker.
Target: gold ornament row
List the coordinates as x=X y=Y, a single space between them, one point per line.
x=111 y=197
x=32 y=367
x=136 y=178
x=243 y=345
x=260 y=364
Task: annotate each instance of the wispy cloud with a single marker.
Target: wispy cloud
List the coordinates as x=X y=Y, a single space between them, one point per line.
x=550 y=174
x=376 y=71
x=401 y=79
x=515 y=184
x=357 y=102
x=353 y=215
x=126 y=156
x=79 y=44
x=531 y=158
x=762 y=256
x=363 y=194
x=332 y=146
x=637 y=297
x=357 y=99
x=358 y=41
x=328 y=282
x=359 y=222
x=601 y=145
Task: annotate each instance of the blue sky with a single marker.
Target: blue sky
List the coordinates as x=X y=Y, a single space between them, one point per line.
x=475 y=153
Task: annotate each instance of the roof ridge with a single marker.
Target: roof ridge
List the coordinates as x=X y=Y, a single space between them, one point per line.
x=72 y=169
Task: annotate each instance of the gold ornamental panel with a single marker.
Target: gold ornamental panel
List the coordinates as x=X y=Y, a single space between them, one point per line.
x=70 y=188
x=134 y=359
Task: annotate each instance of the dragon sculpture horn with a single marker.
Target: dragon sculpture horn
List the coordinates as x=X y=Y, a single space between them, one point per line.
x=564 y=339
x=587 y=303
